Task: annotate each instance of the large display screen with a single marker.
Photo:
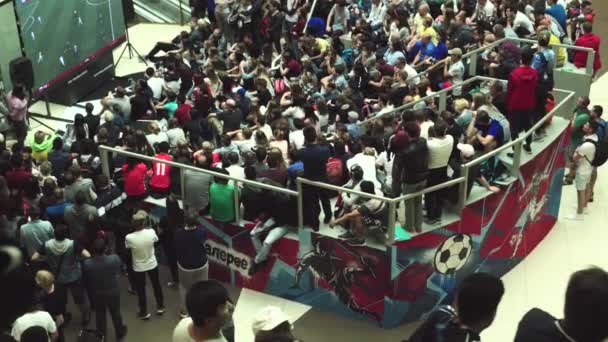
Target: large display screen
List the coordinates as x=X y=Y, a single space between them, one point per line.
x=59 y=35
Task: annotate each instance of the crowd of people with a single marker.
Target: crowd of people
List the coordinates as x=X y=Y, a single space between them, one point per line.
x=266 y=92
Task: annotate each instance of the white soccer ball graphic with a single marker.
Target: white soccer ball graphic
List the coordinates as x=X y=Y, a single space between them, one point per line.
x=453 y=254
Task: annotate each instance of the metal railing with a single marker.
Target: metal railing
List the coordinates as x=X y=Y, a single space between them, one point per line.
x=562 y=109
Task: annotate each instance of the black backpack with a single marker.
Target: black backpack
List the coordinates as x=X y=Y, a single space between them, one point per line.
x=601 y=151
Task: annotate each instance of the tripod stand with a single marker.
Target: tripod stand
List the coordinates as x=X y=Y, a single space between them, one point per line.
x=131 y=49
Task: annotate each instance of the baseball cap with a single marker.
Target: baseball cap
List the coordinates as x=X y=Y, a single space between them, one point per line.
x=466 y=150
x=268 y=318
x=455 y=52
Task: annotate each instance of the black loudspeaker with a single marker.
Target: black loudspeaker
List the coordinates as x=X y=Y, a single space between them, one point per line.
x=128 y=9
x=21 y=71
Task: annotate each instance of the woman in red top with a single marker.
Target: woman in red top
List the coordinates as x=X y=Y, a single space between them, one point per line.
x=134 y=172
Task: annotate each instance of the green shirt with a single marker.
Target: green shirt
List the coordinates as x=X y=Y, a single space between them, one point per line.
x=45 y=146
x=580 y=119
x=221 y=200
x=171 y=107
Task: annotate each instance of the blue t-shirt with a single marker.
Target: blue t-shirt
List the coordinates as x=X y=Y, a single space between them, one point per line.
x=537 y=62
x=316 y=26
x=440 y=51
x=392 y=56
x=601 y=129
x=494 y=129
x=558 y=12
x=425 y=51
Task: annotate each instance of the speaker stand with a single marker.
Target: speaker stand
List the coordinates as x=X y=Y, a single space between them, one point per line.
x=130 y=48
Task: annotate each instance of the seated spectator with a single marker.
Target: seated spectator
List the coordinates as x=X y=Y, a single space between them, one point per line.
x=370 y=213
x=198 y=184
x=474 y=310
x=221 y=199
x=467 y=154
x=109 y=196
x=118 y=102
x=586 y=288
x=276 y=168
x=485 y=133
x=112 y=130
x=135 y=174
x=160 y=181
x=156 y=136
x=234 y=169
x=367 y=161
x=175 y=133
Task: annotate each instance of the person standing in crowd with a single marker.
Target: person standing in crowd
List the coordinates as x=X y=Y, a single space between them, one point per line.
x=79 y=216
x=34 y=318
x=588 y=40
x=75 y=183
x=191 y=253
x=63 y=256
x=314 y=156
x=587 y=288
x=198 y=184
x=51 y=300
x=440 y=148
x=583 y=156
x=135 y=173
x=17 y=101
x=474 y=310
x=581 y=116
x=210 y=308
x=410 y=174
x=544 y=62
x=141 y=242
x=101 y=274
x=521 y=98
x=36 y=232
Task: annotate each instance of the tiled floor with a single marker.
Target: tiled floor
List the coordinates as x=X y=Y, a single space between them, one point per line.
x=539 y=280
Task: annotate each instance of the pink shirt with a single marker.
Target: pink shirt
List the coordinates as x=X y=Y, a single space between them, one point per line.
x=17 y=108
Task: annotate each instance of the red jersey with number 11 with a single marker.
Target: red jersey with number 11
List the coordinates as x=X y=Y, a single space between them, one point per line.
x=161 y=173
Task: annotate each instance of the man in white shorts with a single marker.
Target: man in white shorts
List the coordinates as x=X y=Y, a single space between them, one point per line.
x=583 y=156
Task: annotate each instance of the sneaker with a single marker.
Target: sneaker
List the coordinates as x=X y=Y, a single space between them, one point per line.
x=327 y=219
x=355 y=242
x=144 y=316
x=160 y=310
x=183 y=314
x=537 y=137
x=122 y=333
x=585 y=210
x=574 y=217
x=347 y=235
x=527 y=148
x=510 y=154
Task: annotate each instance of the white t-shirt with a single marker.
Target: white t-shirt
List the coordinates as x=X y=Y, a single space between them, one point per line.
x=439 y=151
x=156 y=84
x=296 y=139
x=33 y=319
x=456 y=71
x=383 y=161
x=424 y=128
x=368 y=164
x=141 y=243
x=176 y=135
x=524 y=21
x=180 y=333
x=236 y=171
x=587 y=151
x=411 y=72
x=486 y=11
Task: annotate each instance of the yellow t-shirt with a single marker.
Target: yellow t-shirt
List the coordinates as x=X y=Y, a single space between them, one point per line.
x=322 y=44
x=431 y=32
x=560 y=57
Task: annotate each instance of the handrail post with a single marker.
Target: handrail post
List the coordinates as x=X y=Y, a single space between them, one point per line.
x=392 y=212
x=300 y=205
x=443 y=99
x=105 y=162
x=590 y=60
x=237 y=203
x=463 y=188
x=517 y=147
x=182 y=182
x=473 y=64
x=181 y=13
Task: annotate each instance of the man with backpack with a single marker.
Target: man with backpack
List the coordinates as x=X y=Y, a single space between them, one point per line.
x=602 y=135
x=584 y=158
x=544 y=62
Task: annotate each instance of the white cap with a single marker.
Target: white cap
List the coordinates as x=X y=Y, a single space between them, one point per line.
x=466 y=150
x=268 y=318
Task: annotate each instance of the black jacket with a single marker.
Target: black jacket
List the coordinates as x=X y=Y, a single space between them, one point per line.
x=411 y=164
